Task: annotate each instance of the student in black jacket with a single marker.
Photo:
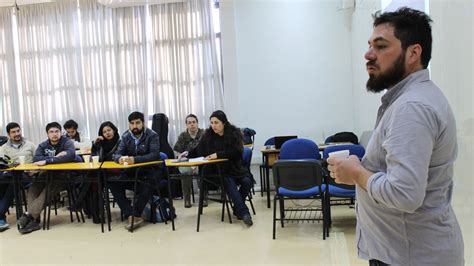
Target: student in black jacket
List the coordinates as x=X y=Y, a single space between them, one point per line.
x=56 y=149
x=138 y=145
x=222 y=140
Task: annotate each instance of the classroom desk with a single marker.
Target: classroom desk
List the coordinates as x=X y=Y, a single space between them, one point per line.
x=201 y=178
x=72 y=166
x=114 y=165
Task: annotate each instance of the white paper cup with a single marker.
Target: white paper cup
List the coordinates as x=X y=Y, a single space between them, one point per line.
x=95 y=159
x=21 y=159
x=339 y=154
x=87 y=158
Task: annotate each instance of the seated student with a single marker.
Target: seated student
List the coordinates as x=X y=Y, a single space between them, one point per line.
x=15 y=147
x=138 y=145
x=222 y=140
x=104 y=146
x=56 y=149
x=187 y=140
x=80 y=141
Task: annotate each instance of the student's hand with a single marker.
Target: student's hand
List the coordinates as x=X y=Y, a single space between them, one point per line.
x=211 y=157
x=40 y=163
x=63 y=153
x=122 y=159
x=99 y=139
x=183 y=155
x=130 y=160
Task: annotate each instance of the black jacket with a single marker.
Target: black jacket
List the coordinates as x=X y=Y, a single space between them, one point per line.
x=47 y=152
x=148 y=148
x=234 y=167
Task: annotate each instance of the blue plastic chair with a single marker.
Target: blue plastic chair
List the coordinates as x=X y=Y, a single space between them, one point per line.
x=298 y=175
x=341 y=190
x=299 y=149
x=299 y=179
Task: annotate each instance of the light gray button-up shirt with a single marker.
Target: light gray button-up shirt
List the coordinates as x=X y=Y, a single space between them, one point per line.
x=405 y=216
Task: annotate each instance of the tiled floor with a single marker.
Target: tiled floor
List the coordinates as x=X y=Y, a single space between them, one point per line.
x=217 y=243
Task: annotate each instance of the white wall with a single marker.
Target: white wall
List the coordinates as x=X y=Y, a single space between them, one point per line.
x=287 y=67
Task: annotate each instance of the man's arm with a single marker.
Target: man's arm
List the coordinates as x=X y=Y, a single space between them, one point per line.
x=69 y=154
x=154 y=149
x=121 y=150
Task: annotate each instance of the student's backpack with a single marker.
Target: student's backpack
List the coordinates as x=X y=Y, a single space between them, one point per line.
x=163 y=208
x=6 y=162
x=248 y=133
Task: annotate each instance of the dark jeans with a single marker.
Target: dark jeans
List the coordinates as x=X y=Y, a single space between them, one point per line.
x=142 y=194
x=6 y=198
x=376 y=263
x=238 y=195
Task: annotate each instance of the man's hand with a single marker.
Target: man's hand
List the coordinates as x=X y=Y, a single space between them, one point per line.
x=211 y=157
x=40 y=163
x=126 y=160
x=183 y=155
x=63 y=153
x=348 y=171
x=130 y=160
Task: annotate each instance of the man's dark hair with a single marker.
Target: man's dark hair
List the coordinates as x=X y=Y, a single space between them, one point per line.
x=411 y=27
x=53 y=124
x=71 y=124
x=136 y=115
x=190 y=116
x=11 y=126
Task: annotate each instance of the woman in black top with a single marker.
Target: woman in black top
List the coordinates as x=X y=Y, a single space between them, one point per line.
x=104 y=146
x=107 y=142
x=222 y=140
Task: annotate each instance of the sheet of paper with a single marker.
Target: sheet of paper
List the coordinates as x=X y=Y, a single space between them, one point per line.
x=199 y=159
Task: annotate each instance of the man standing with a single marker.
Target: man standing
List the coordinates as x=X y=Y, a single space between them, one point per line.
x=138 y=145
x=187 y=140
x=56 y=149
x=405 y=181
x=15 y=147
x=80 y=141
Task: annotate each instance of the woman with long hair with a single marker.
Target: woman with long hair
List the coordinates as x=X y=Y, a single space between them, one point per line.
x=104 y=146
x=222 y=140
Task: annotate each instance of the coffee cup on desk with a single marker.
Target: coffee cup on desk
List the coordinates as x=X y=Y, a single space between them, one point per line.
x=95 y=159
x=87 y=158
x=339 y=154
x=21 y=159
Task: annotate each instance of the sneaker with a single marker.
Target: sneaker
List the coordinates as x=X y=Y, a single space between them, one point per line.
x=187 y=202
x=33 y=225
x=3 y=225
x=205 y=202
x=24 y=220
x=247 y=219
x=137 y=221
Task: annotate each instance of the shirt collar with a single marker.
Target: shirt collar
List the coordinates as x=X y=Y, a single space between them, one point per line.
x=13 y=145
x=398 y=89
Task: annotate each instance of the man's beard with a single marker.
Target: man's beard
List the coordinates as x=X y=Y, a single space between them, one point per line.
x=387 y=79
x=137 y=131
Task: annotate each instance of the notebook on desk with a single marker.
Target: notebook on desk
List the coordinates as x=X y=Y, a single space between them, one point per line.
x=279 y=140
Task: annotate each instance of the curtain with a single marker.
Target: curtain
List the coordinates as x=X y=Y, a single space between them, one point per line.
x=9 y=107
x=114 y=59
x=49 y=66
x=185 y=70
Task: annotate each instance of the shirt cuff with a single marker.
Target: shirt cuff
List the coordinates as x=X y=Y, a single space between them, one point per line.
x=373 y=186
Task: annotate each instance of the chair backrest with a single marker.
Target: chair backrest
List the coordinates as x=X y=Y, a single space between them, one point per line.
x=354 y=149
x=248 y=135
x=297 y=174
x=270 y=141
x=247 y=157
x=365 y=137
x=299 y=149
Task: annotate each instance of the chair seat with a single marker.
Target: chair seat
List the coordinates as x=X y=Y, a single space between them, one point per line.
x=314 y=191
x=341 y=192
